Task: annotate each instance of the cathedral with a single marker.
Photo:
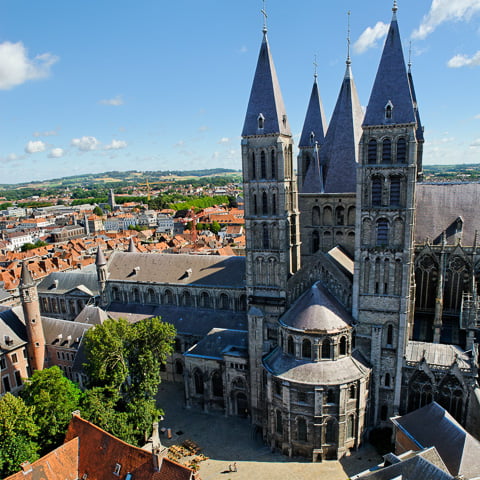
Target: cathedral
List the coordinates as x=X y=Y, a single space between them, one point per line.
x=356 y=300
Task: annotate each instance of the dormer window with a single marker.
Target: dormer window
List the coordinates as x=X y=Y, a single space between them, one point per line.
x=284 y=120
x=312 y=138
x=388 y=110
x=116 y=470
x=261 y=121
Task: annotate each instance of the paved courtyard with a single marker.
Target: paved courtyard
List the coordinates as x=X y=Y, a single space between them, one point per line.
x=225 y=440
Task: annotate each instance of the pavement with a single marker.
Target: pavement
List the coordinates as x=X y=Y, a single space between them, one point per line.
x=228 y=440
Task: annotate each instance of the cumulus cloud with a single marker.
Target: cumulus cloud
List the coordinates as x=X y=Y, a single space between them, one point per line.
x=85 y=144
x=464 y=61
x=116 y=145
x=56 y=153
x=16 y=68
x=443 y=11
x=224 y=140
x=475 y=143
x=35 y=146
x=113 y=102
x=369 y=38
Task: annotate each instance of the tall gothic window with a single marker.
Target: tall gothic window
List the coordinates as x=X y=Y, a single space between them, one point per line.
x=306 y=349
x=301 y=430
x=316 y=215
x=315 y=241
x=326 y=348
x=255 y=205
x=343 y=346
x=401 y=150
x=394 y=191
x=372 y=151
x=264 y=204
x=274 y=204
x=290 y=346
x=273 y=163
x=265 y=236
x=330 y=431
x=351 y=426
x=382 y=232
x=254 y=166
x=263 y=165
x=376 y=191
x=198 y=380
x=217 y=384
x=278 y=422
x=387 y=151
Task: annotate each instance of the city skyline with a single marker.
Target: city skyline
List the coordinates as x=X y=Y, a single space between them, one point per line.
x=87 y=88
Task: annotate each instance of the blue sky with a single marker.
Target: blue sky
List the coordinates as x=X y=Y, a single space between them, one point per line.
x=97 y=85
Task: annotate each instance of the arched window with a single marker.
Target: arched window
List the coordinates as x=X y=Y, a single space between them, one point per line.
x=151 y=297
x=205 y=300
x=382 y=232
x=261 y=121
x=384 y=412
x=186 y=299
x=136 y=295
x=264 y=203
x=390 y=335
x=372 y=151
x=273 y=163
x=263 y=165
x=394 y=191
x=217 y=384
x=316 y=215
x=330 y=396
x=343 y=346
x=315 y=241
x=224 y=301
x=340 y=216
x=290 y=346
x=387 y=379
x=168 y=297
x=254 y=166
x=265 y=236
x=178 y=367
x=401 y=150
x=301 y=429
x=274 y=204
x=387 y=151
x=278 y=422
x=115 y=294
x=198 y=380
x=255 y=205
x=242 y=303
x=306 y=349
x=376 y=191
x=326 y=348
x=388 y=110
x=330 y=431
x=352 y=392
x=351 y=426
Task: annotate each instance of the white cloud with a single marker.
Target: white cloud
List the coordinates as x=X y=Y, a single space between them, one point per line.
x=224 y=140
x=116 y=145
x=475 y=143
x=49 y=133
x=16 y=68
x=464 y=61
x=35 y=146
x=85 y=144
x=477 y=116
x=443 y=11
x=114 y=102
x=370 y=37
x=56 y=153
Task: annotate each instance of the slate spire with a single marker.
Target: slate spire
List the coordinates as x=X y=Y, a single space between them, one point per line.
x=314 y=176
x=265 y=107
x=343 y=136
x=391 y=88
x=131 y=246
x=26 y=279
x=100 y=258
x=314 y=120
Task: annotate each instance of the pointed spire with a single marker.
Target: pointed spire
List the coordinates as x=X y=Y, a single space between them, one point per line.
x=348 y=62
x=26 y=279
x=391 y=83
x=100 y=258
x=314 y=176
x=131 y=246
x=315 y=122
x=266 y=113
x=339 y=153
x=419 y=132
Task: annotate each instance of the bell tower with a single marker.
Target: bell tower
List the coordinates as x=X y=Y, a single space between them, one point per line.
x=385 y=215
x=271 y=215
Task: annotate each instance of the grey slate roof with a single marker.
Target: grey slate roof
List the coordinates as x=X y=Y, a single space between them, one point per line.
x=325 y=372
x=391 y=84
x=313 y=182
x=436 y=354
x=63 y=282
x=317 y=311
x=71 y=332
x=433 y=426
x=180 y=269
x=314 y=120
x=266 y=98
x=187 y=320
x=340 y=150
x=220 y=342
x=100 y=258
x=439 y=205
x=91 y=315
x=12 y=327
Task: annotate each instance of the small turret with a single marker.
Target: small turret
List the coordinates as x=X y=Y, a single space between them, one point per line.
x=131 y=246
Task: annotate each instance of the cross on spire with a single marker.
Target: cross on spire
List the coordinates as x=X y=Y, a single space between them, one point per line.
x=264 y=13
x=315 y=65
x=395 y=7
x=410 y=56
x=348 y=39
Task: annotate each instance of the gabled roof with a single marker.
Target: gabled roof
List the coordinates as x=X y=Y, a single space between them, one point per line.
x=12 y=328
x=60 y=283
x=314 y=120
x=266 y=98
x=220 y=342
x=340 y=150
x=391 y=84
x=433 y=426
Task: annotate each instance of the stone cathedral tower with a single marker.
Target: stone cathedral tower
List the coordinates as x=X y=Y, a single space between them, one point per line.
x=33 y=320
x=271 y=215
x=386 y=182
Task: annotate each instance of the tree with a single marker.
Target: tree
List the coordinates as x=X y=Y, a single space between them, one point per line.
x=215 y=227
x=98 y=211
x=17 y=434
x=53 y=398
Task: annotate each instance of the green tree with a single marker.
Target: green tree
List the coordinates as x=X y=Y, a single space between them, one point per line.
x=53 y=398
x=98 y=211
x=215 y=227
x=17 y=434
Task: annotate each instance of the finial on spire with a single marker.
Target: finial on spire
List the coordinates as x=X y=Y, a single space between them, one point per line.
x=394 y=9
x=264 y=13
x=315 y=65
x=410 y=57
x=348 y=40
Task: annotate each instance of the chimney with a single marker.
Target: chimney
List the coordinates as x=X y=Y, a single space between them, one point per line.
x=26 y=466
